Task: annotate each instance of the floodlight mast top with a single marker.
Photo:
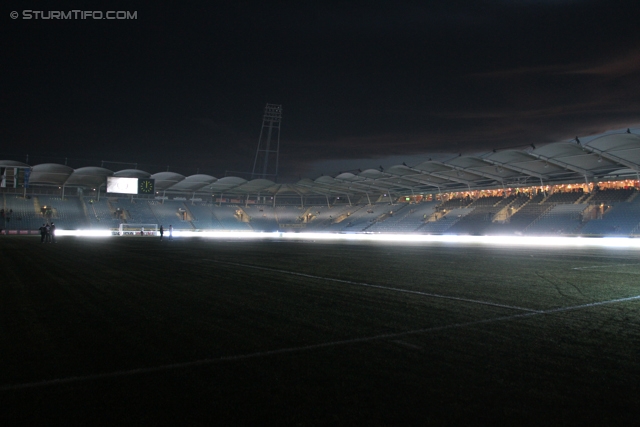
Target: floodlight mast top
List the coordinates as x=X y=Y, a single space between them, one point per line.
x=270 y=121
x=273 y=112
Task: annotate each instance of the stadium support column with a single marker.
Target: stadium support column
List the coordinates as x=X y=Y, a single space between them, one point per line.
x=328 y=205
x=349 y=200
x=368 y=198
x=62 y=192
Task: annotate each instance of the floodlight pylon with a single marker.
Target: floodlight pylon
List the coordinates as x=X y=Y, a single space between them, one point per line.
x=265 y=153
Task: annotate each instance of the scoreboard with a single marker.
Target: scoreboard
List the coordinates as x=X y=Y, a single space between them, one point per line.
x=121 y=185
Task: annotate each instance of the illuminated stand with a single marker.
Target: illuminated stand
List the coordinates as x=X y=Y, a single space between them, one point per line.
x=265 y=152
x=136 y=229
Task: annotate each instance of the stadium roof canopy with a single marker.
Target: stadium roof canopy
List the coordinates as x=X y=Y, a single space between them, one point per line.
x=603 y=158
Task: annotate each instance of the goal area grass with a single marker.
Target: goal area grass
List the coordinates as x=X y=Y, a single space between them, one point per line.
x=113 y=331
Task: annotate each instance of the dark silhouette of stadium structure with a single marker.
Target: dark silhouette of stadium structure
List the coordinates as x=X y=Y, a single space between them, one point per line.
x=585 y=186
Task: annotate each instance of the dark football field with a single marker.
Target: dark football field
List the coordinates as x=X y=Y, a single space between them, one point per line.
x=131 y=330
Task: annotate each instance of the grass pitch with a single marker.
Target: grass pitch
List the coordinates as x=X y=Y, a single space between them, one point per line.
x=191 y=331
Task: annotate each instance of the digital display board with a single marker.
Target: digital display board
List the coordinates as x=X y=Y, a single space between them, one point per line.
x=116 y=184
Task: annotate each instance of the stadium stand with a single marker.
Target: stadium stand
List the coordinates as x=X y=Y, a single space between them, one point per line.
x=586 y=186
x=172 y=212
x=362 y=219
x=22 y=214
x=405 y=220
x=481 y=215
x=612 y=196
x=456 y=203
x=101 y=213
x=138 y=211
x=324 y=216
x=290 y=214
x=228 y=219
x=622 y=219
x=66 y=213
x=568 y=197
x=442 y=223
x=569 y=213
x=203 y=217
x=561 y=219
x=527 y=212
x=262 y=217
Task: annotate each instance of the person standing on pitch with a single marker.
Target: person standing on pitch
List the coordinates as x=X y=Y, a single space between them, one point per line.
x=161 y=231
x=43 y=233
x=52 y=231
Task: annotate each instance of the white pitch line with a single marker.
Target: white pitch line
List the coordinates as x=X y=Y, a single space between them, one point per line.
x=603 y=266
x=408 y=345
x=591 y=304
x=387 y=288
x=288 y=350
x=619 y=272
x=129 y=372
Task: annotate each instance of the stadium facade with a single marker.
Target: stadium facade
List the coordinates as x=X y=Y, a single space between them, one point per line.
x=579 y=187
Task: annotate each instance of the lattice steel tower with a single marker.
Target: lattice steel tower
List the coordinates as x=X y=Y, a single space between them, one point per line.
x=264 y=153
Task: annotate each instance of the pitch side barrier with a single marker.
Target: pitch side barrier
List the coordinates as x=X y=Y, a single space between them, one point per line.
x=20 y=232
x=138 y=230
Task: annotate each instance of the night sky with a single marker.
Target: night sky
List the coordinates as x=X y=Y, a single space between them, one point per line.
x=185 y=86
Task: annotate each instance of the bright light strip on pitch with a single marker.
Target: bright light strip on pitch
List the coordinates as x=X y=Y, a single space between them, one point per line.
x=524 y=241
x=84 y=233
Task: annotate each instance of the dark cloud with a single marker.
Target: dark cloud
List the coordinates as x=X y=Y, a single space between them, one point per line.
x=185 y=87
